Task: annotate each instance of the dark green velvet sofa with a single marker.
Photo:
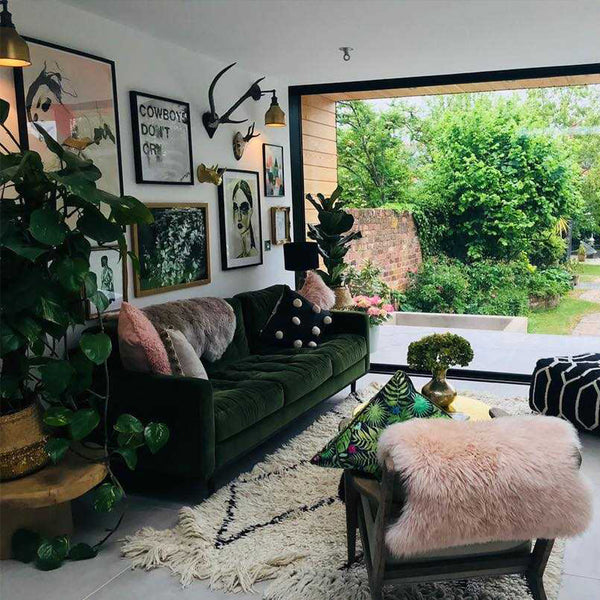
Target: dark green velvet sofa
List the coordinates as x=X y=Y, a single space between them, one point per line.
x=253 y=391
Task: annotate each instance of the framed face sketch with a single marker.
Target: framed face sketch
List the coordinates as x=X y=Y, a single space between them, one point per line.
x=273 y=170
x=280 y=225
x=174 y=251
x=162 y=140
x=240 y=219
x=72 y=95
x=111 y=276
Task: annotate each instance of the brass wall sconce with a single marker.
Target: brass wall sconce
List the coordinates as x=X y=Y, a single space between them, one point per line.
x=14 y=51
x=211 y=119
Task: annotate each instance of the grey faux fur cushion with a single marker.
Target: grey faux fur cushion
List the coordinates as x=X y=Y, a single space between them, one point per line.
x=207 y=323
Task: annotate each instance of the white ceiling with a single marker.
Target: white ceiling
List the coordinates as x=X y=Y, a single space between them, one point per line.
x=298 y=40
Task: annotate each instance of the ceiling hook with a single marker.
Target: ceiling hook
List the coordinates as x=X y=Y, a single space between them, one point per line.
x=346 y=50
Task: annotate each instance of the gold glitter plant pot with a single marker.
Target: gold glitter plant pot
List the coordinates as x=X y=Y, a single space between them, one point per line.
x=343 y=297
x=22 y=443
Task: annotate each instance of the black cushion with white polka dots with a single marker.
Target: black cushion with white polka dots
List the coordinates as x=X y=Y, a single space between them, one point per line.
x=296 y=322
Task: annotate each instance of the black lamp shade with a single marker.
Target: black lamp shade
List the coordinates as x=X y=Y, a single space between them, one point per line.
x=300 y=256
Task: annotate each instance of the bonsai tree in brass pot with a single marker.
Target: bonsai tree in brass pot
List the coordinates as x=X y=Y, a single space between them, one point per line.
x=333 y=236
x=436 y=353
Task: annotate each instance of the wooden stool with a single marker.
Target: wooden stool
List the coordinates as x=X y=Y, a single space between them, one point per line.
x=42 y=501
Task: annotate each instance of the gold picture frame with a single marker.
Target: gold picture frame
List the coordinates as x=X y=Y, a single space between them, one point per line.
x=96 y=266
x=144 y=236
x=280 y=230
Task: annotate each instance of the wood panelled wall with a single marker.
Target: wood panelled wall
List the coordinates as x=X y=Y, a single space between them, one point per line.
x=319 y=151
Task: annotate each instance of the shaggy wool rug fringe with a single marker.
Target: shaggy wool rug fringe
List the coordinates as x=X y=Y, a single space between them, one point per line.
x=282 y=523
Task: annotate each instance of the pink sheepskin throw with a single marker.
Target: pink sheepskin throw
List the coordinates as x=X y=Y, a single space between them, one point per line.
x=509 y=479
x=140 y=345
x=315 y=291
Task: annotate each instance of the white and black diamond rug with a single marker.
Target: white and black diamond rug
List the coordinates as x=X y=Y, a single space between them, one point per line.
x=282 y=523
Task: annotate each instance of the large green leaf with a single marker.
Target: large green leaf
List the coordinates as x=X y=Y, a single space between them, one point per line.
x=57 y=376
x=51 y=310
x=58 y=416
x=128 y=424
x=71 y=272
x=82 y=551
x=97 y=347
x=47 y=227
x=129 y=210
x=130 y=440
x=51 y=553
x=156 y=436
x=83 y=422
x=29 y=328
x=336 y=222
x=10 y=340
x=24 y=545
x=56 y=448
x=4 y=110
x=96 y=226
x=84 y=369
x=129 y=456
x=106 y=496
x=16 y=243
x=99 y=300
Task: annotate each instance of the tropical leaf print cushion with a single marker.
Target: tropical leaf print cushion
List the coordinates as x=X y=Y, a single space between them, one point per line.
x=355 y=446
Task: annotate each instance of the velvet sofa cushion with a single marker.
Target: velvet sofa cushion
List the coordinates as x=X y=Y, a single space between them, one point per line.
x=296 y=374
x=238 y=405
x=342 y=349
x=257 y=308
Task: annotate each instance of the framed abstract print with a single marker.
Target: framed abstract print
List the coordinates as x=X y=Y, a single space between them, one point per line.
x=174 y=251
x=111 y=277
x=73 y=96
x=240 y=219
x=273 y=170
x=162 y=140
x=280 y=225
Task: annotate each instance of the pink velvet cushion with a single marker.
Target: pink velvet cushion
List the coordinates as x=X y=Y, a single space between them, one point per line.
x=315 y=291
x=139 y=343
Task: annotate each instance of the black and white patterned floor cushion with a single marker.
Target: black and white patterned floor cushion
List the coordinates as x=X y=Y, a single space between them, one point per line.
x=568 y=387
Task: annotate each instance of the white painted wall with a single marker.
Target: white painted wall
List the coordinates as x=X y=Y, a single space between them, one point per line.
x=148 y=64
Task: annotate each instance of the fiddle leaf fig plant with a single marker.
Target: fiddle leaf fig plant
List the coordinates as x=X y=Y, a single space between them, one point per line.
x=48 y=222
x=331 y=235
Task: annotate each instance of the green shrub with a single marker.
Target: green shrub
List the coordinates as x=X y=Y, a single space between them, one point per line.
x=367 y=281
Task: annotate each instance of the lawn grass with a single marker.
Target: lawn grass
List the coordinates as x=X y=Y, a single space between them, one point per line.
x=562 y=319
x=587 y=273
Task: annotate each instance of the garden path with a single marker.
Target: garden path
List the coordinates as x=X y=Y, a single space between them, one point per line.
x=589 y=324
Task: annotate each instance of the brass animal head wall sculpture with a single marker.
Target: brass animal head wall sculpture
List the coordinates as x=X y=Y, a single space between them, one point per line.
x=212 y=174
x=240 y=141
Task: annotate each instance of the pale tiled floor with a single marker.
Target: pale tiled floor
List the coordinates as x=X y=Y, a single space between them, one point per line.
x=109 y=576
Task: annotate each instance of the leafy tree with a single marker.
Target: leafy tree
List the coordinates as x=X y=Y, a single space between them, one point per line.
x=374 y=161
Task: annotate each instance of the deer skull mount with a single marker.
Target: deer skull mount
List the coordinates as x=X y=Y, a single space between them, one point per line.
x=211 y=120
x=240 y=141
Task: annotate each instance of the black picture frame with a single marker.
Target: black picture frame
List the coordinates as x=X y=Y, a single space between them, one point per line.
x=265 y=175
x=137 y=150
x=226 y=262
x=21 y=108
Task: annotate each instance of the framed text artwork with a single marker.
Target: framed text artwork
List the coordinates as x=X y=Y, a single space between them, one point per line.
x=162 y=140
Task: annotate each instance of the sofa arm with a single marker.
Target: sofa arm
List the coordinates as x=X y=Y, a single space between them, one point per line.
x=352 y=321
x=184 y=404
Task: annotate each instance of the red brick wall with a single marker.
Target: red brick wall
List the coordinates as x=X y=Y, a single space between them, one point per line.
x=389 y=240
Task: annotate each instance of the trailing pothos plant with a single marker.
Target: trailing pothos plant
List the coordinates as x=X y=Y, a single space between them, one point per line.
x=331 y=235
x=48 y=220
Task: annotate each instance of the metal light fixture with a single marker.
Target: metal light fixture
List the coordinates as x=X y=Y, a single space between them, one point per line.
x=274 y=117
x=14 y=51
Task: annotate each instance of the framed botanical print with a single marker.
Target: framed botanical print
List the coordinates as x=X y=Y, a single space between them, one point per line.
x=73 y=96
x=273 y=170
x=240 y=219
x=111 y=276
x=280 y=225
x=174 y=250
x=162 y=140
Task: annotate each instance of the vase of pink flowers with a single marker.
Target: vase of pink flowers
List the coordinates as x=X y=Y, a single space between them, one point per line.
x=377 y=310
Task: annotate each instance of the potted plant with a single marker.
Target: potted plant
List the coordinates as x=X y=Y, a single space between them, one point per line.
x=52 y=397
x=436 y=353
x=581 y=253
x=333 y=239
x=378 y=311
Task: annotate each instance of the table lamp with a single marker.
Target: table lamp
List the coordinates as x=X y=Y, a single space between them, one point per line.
x=300 y=257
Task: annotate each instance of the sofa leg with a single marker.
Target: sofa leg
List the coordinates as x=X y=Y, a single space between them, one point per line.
x=210 y=486
x=536 y=586
x=353 y=387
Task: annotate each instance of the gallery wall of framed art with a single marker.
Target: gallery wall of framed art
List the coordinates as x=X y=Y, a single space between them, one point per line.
x=174 y=250
x=162 y=139
x=73 y=95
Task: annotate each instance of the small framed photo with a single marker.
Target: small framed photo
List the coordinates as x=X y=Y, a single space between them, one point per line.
x=273 y=170
x=240 y=220
x=162 y=140
x=111 y=276
x=280 y=225
x=174 y=250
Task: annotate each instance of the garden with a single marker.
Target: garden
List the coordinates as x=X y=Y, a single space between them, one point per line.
x=503 y=187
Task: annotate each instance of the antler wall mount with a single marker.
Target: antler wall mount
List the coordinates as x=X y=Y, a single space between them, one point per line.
x=240 y=141
x=211 y=119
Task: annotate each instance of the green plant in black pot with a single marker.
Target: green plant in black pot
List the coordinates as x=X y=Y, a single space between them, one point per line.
x=333 y=236
x=436 y=353
x=48 y=220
